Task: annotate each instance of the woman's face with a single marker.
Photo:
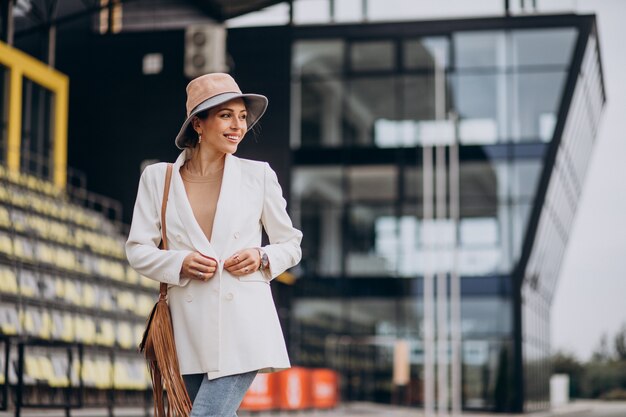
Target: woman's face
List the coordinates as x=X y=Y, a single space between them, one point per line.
x=224 y=126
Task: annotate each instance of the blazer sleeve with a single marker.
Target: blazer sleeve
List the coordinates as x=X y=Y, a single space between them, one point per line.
x=144 y=238
x=284 y=250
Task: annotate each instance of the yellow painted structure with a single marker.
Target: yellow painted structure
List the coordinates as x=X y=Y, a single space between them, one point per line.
x=22 y=65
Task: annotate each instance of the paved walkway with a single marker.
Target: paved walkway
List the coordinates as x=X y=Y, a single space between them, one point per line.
x=579 y=408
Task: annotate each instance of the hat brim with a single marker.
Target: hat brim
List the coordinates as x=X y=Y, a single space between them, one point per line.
x=256 y=104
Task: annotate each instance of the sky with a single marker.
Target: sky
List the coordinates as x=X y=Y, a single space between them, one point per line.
x=590 y=299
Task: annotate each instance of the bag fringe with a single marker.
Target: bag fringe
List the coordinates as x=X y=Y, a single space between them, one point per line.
x=159 y=348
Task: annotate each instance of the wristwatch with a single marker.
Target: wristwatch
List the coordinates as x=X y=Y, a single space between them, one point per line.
x=265 y=261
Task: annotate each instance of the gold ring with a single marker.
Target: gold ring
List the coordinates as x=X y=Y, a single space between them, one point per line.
x=199 y=275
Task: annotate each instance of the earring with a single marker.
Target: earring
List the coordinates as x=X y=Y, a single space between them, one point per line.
x=199 y=137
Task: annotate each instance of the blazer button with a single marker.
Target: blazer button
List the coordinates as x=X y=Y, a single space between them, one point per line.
x=230 y=296
x=189 y=298
x=236 y=235
x=179 y=238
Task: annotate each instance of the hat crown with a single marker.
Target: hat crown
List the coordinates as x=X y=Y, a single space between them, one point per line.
x=209 y=85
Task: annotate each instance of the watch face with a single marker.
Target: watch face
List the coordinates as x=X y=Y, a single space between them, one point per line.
x=264 y=260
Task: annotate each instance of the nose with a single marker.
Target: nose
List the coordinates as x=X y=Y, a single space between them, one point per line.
x=237 y=123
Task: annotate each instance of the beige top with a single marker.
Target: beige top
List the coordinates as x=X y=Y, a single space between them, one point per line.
x=203 y=192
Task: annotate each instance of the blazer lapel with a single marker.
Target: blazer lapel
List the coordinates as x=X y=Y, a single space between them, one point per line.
x=227 y=205
x=183 y=208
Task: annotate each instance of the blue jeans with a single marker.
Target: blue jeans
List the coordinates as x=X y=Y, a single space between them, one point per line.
x=219 y=397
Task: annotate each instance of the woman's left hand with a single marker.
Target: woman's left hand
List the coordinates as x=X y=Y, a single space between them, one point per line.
x=243 y=262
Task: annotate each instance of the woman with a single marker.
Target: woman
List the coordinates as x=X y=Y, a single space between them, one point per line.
x=225 y=322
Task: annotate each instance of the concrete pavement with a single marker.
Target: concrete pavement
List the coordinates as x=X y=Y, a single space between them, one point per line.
x=578 y=408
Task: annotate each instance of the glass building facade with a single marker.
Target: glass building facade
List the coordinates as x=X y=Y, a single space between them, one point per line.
x=522 y=98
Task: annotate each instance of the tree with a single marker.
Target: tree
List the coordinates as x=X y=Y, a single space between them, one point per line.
x=602 y=352
x=620 y=343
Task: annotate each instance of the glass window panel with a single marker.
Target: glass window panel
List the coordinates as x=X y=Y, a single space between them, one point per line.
x=426 y=53
x=372 y=183
x=519 y=220
x=372 y=55
x=479 y=102
x=318 y=57
x=317 y=197
x=534 y=102
x=397 y=241
x=478 y=190
x=543 y=46
x=368 y=100
x=321 y=113
x=413 y=183
x=395 y=133
x=419 y=101
x=479 y=232
x=525 y=177
x=363 y=258
x=479 y=49
x=481 y=316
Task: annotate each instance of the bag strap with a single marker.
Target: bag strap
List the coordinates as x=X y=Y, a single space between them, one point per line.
x=166 y=192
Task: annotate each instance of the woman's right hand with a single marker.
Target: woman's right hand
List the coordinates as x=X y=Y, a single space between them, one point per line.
x=198 y=266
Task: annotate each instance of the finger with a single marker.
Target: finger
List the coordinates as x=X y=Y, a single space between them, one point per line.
x=234 y=264
x=246 y=267
x=229 y=262
x=204 y=260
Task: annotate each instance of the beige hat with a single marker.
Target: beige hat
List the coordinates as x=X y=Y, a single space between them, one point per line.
x=210 y=90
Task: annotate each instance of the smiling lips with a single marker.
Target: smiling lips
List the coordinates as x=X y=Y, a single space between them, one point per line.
x=232 y=138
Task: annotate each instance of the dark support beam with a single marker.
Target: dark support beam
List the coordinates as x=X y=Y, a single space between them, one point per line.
x=331 y=10
x=211 y=10
x=6 y=22
x=290 y=3
x=52 y=34
x=507 y=8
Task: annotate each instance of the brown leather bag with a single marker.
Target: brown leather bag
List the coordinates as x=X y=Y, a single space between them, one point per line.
x=158 y=347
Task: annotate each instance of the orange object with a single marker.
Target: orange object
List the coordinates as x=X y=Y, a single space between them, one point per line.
x=294 y=389
x=262 y=393
x=324 y=388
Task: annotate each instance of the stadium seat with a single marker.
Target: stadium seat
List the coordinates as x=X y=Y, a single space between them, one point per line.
x=32 y=370
x=73 y=292
x=6 y=244
x=103 y=377
x=105 y=333
x=89 y=296
x=9 y=319
x=8 y=280
x=45 y=328
x=28 y=283
x=145 y=303
x=59 y=366
x=85 y=329
x=125 y=335
x=5 y=218
x=132 y=277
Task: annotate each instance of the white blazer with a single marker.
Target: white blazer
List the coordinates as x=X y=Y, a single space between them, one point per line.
x=227 y=325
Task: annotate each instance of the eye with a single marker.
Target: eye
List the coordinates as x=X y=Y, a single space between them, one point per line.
x=243 y=116
x=225 y=115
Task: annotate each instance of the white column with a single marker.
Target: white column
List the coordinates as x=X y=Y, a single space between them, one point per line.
x=442 y=282
x=429 y=294
x=455 y=282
